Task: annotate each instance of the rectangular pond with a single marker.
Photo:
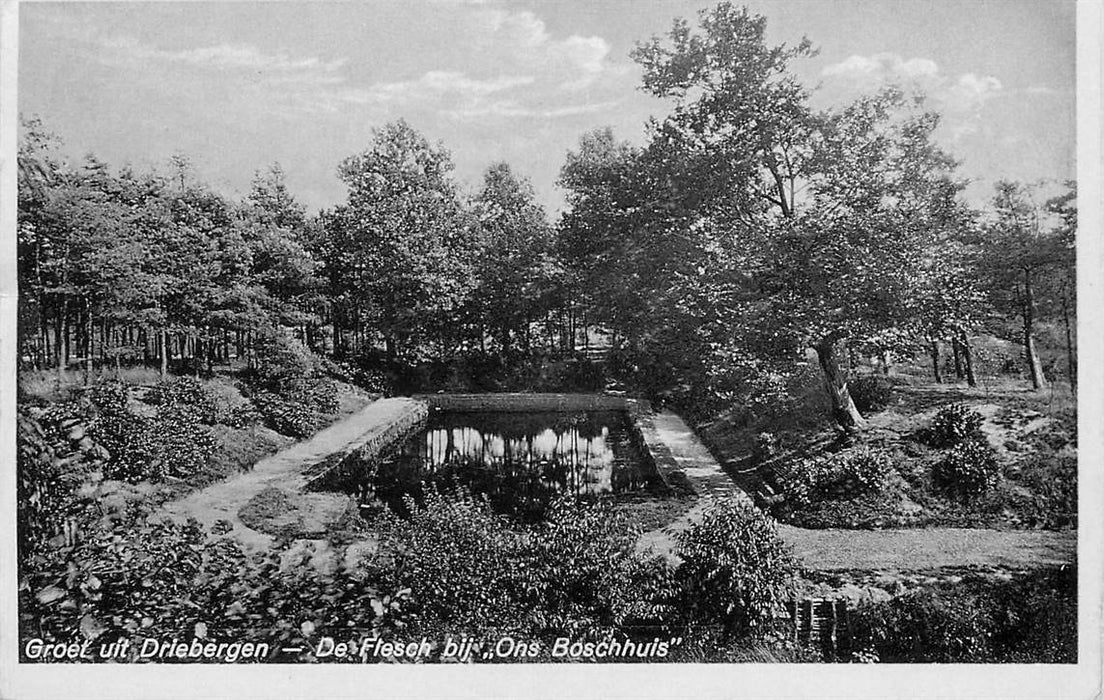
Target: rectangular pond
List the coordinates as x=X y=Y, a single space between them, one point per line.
x=519 y=460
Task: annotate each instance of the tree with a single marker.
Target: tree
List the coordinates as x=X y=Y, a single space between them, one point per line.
x=1021 y=257
x=825 y=216
x=405 y=242
x=512 y=265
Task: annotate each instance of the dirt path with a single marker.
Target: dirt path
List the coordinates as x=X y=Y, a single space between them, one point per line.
x=824 y=550
x=285 y=470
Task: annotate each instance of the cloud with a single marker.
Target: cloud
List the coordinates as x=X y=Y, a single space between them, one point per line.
x=960 y=99
x=522 y=39
x=278 y=83
x=510 y=109
x=966 y=93
x=223 y=56
x=437 y=84
x=513 y=67
x=881 y=67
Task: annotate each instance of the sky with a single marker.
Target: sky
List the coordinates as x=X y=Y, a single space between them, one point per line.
x=238 y=86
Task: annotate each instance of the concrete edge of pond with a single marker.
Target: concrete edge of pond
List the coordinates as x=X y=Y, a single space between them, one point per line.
x=519 y=402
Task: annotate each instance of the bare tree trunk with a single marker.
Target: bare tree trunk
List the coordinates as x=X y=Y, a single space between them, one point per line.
x=934 y=349
x=163 y=352
x=957 y=356
x=1071 y=358
x=847 y=417
x=1031 y=354
x=967 y=358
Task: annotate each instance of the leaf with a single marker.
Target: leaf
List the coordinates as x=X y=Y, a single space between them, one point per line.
x=377 y=607
x=307 y=628
x=50 y=594
x=91 y=627
x=201 y=630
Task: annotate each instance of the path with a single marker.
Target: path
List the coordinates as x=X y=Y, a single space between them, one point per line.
x=285 y=470
x=903 y=550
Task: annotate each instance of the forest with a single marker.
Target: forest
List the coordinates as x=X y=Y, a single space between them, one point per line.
x=776 y=273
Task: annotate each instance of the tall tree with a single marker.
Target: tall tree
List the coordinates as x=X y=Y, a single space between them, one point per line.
x=513 y=265
x=407 y=241
x=826 y=215
x=1021 y=255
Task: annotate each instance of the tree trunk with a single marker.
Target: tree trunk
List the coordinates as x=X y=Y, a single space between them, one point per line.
x=163 y=352
x=957 y=351
x=967 y=358
x=1031 y=354
x=1071 y=358
x=847 y=417
x=934 y=349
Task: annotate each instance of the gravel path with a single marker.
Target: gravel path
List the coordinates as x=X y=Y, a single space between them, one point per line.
x=285 y=470
x=888 y=550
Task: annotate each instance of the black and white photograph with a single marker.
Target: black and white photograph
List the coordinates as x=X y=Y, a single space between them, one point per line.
x=495 y=348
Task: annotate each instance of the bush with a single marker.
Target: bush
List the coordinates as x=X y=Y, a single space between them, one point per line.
x=847 y=474
x=286 y=416
x=870 y=393
x=173 y=443
x=735 y=568
x=862 y=471
x=928 y=626
x=460 y=560
x=164 y=580
x=952 y=425
x=969 y=469
x=186 y=393
x=1052 y=479
x=1031 y=618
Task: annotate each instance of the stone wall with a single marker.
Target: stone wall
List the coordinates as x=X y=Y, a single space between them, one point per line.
x=510 y=402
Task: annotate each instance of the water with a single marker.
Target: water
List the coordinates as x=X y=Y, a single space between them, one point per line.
x=520 y=461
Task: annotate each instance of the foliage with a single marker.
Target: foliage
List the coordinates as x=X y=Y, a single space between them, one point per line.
x=1031 y=618
x=161 y=579
x=574 y=574
x=862 y=471
x=288 y=386
x=461 y=561
x=186 y=393
x=870 y=393
x=399 y=252
x=287 y=416
x=927 y=627
x=968 y=470
x=1052 y=480
x=952 y=425
x=851 y=473
x=172 y=443
x=735 y=567
x=53 y=455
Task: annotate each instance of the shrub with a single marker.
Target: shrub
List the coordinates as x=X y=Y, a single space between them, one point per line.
x=870 y=393
x=862 y=471
x=1052 y=478
x=847 y=474
x=969 y=469
x=173 y=443
x=927 y=626
x=166 y=580
x=460 y=561
x=290 y=417
x=952 y=425
x=186 y=393
x=1031 y=618
x=735 y=567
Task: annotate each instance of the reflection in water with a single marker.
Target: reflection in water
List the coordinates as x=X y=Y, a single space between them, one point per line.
x=520 y=461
